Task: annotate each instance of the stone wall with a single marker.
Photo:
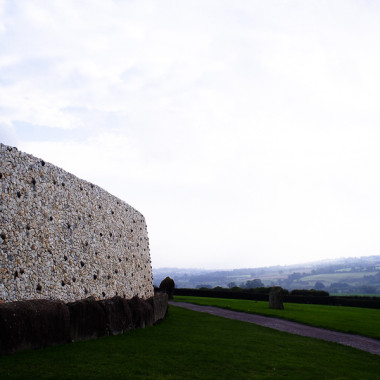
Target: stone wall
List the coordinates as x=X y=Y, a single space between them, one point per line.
x=63 y=238
x=33 y=324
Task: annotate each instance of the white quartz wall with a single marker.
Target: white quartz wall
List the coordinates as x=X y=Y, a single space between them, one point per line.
x=64 y=238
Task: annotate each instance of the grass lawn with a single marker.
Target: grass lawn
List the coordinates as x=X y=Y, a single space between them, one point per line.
x=191 y=345
x=340 y=318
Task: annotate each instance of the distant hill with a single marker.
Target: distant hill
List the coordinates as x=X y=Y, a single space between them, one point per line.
x=359 y=275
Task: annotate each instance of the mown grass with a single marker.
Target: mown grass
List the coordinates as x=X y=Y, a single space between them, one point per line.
x=191 y=345
x=353 y=320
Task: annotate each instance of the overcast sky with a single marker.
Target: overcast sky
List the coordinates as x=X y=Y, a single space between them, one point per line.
x=246 y=132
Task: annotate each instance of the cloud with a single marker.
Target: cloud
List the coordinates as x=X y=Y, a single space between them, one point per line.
x=126 y=58
x=7 y=134
x=242 y=129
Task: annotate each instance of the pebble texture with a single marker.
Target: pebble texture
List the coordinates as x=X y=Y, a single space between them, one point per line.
x=63 y=238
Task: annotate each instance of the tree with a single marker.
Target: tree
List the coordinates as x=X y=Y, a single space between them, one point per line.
x=203 y=286
x=256 y=283
x=319 y=285
x=368 y=289
x=294 y=276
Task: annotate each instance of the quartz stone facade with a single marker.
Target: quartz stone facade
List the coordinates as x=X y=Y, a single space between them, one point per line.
x=63 y=238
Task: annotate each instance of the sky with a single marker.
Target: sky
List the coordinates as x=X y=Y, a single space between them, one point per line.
x=246 y=132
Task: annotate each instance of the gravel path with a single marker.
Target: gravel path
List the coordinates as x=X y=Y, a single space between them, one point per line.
x=362 y=343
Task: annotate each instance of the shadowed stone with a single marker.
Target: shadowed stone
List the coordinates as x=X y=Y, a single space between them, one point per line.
x=118 y=315
x=87 y=320
x=167 y=286
x=276 y=297
x=32 y=324
x=160 y=306
x=142 y=312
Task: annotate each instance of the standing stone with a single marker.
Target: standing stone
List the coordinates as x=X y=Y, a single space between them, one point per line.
x=276 y=297
x=167 y=286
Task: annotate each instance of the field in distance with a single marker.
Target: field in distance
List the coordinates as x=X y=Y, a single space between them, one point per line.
x=341 y=276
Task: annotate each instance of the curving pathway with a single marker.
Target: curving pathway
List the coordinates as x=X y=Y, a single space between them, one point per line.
x=357 y=341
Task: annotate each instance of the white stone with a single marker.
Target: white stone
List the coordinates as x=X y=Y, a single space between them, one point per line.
x=41 y=244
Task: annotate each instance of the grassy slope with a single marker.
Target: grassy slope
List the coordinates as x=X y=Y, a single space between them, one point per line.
x=337 y=276
x=350 y=277
x=191 y=345
x=348 y=319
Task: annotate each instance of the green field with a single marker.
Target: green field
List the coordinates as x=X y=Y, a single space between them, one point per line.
x=337 y=277
x=340 y=318
x=192 y=345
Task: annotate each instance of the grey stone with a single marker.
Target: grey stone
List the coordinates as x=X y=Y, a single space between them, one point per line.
x=276 y=297
x=167 y=286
